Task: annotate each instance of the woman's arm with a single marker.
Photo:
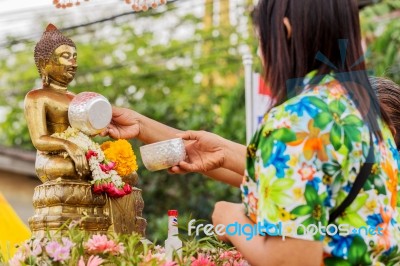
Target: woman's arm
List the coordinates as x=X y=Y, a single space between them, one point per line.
x=225 y=176
x=207 y=152
x=265 y=250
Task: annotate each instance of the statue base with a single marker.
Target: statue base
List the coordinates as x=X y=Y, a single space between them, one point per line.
x=59 y=202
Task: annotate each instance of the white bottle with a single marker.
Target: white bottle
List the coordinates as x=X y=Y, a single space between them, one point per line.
x=173 y=243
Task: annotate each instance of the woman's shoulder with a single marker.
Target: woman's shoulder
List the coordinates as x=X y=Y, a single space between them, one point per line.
x=321 y=103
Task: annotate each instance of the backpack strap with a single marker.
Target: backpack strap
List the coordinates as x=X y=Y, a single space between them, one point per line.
x=361 y=178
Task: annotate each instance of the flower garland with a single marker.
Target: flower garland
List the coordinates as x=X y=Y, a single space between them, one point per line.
x=108 y=162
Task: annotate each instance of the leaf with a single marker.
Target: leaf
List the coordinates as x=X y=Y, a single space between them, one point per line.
x=317 y=102
x=356 y=251
x=266 y=146
x=352 y=120
x=347 y=142
x=354 y=219
x=398 y=199
x=367 y=185
x=353 y=133
x=311 y=195
x=283 y=184
x=330 y=169
x=359 y=201
x=334 y=261
x=280 y=198
x=302 y=210
x=337 y=107
x=336 y=136
x=284 y=134
x=321 y=120
x=379 y=185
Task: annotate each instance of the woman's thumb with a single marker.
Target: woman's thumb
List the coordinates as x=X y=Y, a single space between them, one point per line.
x=188 y=135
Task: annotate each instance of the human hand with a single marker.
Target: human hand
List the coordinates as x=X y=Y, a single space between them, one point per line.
x=124 y=124
x=226 y=213
x=79 y=158
x=205 y=152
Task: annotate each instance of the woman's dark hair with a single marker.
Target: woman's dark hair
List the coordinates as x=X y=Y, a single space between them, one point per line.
x=389 y=99
x=317 y=28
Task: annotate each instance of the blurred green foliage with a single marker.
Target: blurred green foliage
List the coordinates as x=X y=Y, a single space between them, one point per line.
x=380 y=24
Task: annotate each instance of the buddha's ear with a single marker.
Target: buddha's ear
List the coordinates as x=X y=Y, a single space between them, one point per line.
x=42 y=65
x=43 y=71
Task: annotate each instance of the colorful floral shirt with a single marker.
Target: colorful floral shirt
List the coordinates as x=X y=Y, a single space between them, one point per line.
x=302 y=163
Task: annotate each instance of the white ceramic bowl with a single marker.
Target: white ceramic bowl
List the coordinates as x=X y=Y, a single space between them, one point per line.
x=89 y=112
x=163 y=154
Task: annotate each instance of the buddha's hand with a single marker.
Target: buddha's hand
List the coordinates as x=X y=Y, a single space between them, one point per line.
x=79 y=158
x=124 y=124
x=205 y=152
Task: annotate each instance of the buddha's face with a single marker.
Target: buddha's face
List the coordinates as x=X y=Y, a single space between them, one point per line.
x=62 y=64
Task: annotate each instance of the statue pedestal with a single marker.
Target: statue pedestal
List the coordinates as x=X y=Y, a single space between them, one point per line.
x=59 y=202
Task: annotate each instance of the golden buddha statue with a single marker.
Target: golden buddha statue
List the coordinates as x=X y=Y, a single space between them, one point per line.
x=61 y=165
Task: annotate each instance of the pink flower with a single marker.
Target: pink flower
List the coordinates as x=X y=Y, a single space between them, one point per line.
x=100 y=244
x=115 y=249
x=107 y=167
x=17 y=260
x=36 y=248
x=237 y=263
x=59 y=252
x=90 y=153
x=97 y=188
x=93 y=261
x=231 y=254
x=114 y=192
x=52 y=247
x=127 y=189
x=107 y=186
x=67 y=243
x=62 y=254
x=202 y=260
x=233 y=258
x=97 y=244
x=170 y=263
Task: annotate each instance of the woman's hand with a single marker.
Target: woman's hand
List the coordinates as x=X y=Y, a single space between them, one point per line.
x=205 y=152
x=124 y=124
x=79 y=158
x=226 y=213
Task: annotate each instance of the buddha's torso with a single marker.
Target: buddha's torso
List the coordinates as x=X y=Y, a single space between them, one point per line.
x=56 y=108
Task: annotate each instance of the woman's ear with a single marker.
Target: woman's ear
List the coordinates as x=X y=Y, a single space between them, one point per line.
x=288 y=27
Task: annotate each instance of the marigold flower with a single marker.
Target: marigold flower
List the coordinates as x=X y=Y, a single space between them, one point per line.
x=121 y=153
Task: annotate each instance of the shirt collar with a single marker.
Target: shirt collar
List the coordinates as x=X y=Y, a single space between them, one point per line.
x=312 y=79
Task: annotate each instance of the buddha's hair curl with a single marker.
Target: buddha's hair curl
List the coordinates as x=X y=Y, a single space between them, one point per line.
x=51 y=39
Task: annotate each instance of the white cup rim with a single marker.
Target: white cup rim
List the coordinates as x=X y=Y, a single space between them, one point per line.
x=161 y=142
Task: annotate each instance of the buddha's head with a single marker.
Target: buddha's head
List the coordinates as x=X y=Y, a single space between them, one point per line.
x=55 y=57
